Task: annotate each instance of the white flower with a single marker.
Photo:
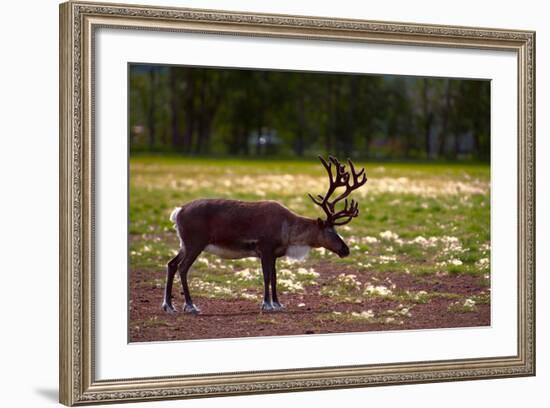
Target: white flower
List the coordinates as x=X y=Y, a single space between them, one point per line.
x=290 y=286
x=379 y=290
x=483 y=263
x=285 y=273
x=421 y=241
x=384 y=259
x=451 y=244
x=309 y=273
x=365 y=314
x=222 y=290
x=203 y=261
x=469 y=303
x=369 y=240
x=455 y=262
x=389 y=235
x=349 y=281
x=420 y=296
x=247 y=274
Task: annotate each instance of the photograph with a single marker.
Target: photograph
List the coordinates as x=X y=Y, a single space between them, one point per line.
x=284 y=203
x=269 y=202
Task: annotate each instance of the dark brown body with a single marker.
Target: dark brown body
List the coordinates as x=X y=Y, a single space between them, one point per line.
x=244 y=228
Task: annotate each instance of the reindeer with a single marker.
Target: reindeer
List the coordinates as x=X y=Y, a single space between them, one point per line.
x=267 y=230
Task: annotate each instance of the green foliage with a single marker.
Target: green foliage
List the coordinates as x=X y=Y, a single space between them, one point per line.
x=235 y=112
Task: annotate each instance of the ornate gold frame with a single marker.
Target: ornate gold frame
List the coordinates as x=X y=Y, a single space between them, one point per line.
x=78 y=22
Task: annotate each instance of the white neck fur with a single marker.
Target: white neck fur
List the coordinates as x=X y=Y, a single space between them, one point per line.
x=298 y=252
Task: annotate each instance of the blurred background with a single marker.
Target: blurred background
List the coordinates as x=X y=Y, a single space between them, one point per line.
x=280 y=114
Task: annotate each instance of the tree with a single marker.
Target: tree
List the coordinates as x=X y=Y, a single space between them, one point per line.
x=209 y=110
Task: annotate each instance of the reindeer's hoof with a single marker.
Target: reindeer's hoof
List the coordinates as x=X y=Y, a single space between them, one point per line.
x=191 y=308
x=168 y=308
x=267 y=306
x=278 y=307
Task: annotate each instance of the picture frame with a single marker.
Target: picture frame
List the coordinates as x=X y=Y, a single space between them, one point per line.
x=79 y=23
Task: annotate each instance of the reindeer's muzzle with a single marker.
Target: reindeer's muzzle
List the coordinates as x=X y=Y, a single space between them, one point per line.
x=343 y=252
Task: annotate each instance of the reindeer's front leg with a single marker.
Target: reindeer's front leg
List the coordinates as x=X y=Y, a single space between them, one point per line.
x=277 y=306
x=268 y=269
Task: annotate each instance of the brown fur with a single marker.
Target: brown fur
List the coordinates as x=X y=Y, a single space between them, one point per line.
x=251 y=225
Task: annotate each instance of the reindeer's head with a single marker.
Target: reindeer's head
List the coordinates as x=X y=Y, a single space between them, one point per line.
x=327 y=236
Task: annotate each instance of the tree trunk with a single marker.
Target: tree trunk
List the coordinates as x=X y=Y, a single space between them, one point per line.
x=259 y=130
x=428 y=131
x=203 y=141
x=189 y=109
x=352 y=107
x=328 y=119
x=151 y=125
x=428 y=117
x=475 y=135
x=244 y=140
x=445 y=125
x=299 y=142
x=174 y=110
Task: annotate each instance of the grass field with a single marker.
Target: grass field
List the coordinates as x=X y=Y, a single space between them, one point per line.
x=420 y=250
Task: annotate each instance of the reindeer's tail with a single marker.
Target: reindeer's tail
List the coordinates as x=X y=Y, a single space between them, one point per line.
x=173 y=218
x=174 y=214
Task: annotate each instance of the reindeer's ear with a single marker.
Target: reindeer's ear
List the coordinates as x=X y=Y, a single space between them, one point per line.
x=320 y=223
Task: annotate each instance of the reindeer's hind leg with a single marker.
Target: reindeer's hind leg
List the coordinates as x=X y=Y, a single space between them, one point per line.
x=171 y=269
x=192 y=252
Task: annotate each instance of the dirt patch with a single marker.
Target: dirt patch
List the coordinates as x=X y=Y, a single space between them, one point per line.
x=308 y=312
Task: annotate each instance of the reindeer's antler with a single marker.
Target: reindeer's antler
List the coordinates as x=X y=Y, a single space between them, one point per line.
x=351 y=180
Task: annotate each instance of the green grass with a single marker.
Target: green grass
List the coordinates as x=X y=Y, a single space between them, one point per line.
x=420 y=219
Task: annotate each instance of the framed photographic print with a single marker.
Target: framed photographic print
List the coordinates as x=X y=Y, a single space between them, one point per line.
x=258 y=203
